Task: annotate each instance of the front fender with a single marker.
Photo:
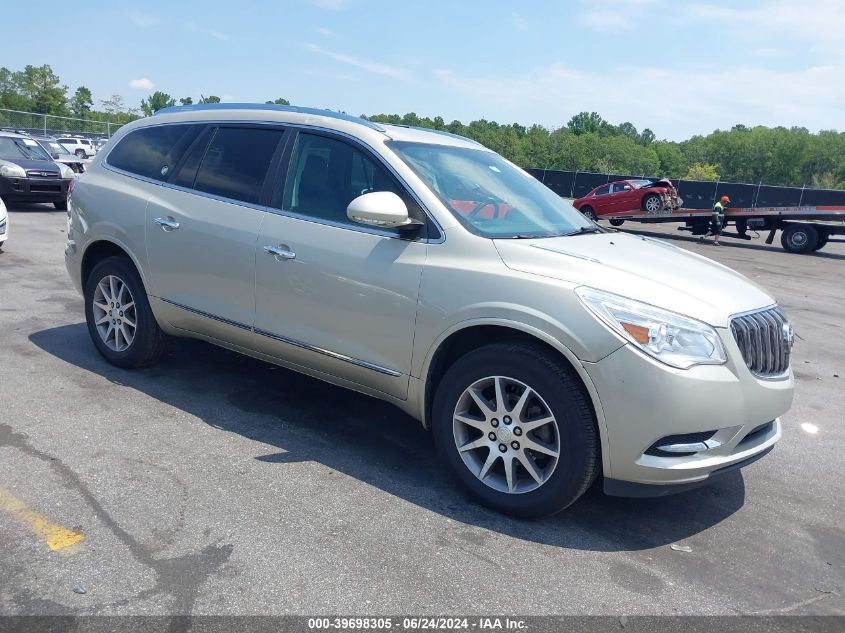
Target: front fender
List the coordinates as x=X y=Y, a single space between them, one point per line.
x=538 y=333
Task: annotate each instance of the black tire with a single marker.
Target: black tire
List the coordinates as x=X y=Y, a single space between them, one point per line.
x=588 y=213
x=579 y=461
x=149 y=342
x=799 y=238
x=80 y=153
x=652 y=199
x=617 y=222
x=61 y=205
x=823 y=238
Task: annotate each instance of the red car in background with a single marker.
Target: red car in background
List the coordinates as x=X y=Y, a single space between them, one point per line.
x=638 y=197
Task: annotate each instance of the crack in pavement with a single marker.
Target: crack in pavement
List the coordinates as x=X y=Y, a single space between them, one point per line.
x=179 y=577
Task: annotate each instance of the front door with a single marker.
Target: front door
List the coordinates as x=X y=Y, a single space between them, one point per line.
x=331 y=295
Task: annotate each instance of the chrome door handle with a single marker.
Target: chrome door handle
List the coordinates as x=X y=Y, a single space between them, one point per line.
x=167 y=224
x=279 y=252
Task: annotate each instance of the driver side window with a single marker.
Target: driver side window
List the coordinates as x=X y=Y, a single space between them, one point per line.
x=325 y=175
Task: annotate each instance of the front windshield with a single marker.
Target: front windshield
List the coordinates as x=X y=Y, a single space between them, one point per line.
x=55 y=148
x=16 y=148
x=488 y=194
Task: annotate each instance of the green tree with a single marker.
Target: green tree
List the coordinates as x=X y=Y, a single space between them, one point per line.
x=186 y=101
x=81 y=102
x=670 y=159
x=210 y=99
x=42 y=88
x=590 y=123
x=646 y=137
x=827 y=180
x=156 y=101
x=700 y=171
x=279 y=101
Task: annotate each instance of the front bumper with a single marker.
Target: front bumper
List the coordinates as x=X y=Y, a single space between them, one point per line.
x=644 y=401
x=34 y=189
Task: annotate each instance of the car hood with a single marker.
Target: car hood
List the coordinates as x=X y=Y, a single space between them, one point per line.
x=26 y=163
x=641 y=268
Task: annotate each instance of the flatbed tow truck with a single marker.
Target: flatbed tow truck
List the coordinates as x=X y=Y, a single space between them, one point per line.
x=804 y=229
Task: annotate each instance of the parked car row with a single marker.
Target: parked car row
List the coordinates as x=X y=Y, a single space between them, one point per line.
x=29 y=173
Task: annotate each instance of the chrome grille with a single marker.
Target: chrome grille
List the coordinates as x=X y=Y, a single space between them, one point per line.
x=765 y=340
x=38 y=173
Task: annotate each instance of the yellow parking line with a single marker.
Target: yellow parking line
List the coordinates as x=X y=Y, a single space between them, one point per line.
x=56 y=536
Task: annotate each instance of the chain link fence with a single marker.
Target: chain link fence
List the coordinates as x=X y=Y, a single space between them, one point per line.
x=51 y=125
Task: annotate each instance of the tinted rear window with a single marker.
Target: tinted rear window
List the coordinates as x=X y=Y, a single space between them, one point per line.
x=147 y=151
x=236 y=163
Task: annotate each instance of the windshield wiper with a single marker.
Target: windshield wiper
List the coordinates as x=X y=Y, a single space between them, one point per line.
x=584 y=230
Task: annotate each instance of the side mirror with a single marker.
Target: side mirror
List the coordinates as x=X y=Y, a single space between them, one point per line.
x=380 y=209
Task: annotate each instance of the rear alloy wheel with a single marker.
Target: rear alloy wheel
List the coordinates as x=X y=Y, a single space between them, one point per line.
x=799 y=238
x=80 y=153
x=120 y=321
x=653 y=203
x=517 y=429
x=588 y=213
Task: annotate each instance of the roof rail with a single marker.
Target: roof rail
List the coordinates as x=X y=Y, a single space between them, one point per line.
x=272 y=107
x=436 y=131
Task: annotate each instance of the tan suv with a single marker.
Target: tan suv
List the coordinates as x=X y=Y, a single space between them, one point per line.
x=423 y=269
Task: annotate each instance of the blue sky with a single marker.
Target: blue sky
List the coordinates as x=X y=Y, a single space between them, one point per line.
x=680 y=68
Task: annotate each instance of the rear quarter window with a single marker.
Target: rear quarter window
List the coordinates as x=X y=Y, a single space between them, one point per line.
x=236 y=162
x=152 y=151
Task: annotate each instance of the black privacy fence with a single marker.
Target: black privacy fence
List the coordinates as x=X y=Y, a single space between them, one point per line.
x=696 y=194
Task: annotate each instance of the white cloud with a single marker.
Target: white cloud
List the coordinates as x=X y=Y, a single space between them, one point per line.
x=519 y=22
x=682 y=107
x=364 y=64
x=142 y=84
x=816 y=23
x=331 y=5
x=218 y=35
x=324 y=31
x=605 y=21
x=142 y=20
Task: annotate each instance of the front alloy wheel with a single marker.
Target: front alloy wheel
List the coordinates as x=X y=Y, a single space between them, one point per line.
x=506 y=434
x=653 y=203
x=514 y=423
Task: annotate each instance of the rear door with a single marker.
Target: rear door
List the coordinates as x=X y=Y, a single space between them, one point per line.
x=202 y=226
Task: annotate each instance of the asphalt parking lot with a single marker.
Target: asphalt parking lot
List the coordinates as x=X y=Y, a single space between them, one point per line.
x=213 y=483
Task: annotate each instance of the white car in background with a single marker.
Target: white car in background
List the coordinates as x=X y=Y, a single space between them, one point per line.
x=82 y=147
x=4 y=224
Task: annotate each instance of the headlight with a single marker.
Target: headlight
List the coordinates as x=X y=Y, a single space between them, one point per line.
x=669 y=337
x=67 y=172
x=10 y=170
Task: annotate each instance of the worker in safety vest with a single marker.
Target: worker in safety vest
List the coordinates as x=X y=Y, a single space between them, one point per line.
x=717 y=220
